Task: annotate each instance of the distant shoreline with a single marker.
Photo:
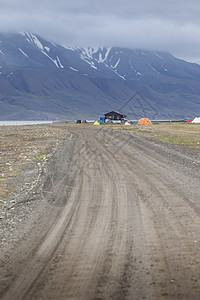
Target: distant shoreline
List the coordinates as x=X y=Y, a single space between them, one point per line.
x=9 y=123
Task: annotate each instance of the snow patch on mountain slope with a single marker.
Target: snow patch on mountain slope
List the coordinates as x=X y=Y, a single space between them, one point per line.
x=69 y=48
x=2 y=52
x=137 y=73
x=121 y=76
x=89 y=55
x=55 y=61
x=103 y=59
x=47 y=49
x=87 y=61
x=86 y=54
x=113 y=69
x=11 y=73
x=32 y=39
x=117 y=63
x=95 y=56
x=73 y=69
x=152 y=68
x=154 y=52
x=23 y=52
x=58 y=60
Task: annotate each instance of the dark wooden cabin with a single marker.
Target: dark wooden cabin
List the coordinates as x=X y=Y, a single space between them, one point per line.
x=115 y=116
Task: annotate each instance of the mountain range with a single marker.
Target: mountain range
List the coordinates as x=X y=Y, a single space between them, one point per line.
x=41 y=80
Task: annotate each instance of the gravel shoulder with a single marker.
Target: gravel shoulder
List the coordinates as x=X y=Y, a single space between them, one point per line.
x=24 y=153
x=114 y=216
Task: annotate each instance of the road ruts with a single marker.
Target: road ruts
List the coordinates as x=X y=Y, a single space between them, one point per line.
x=127 y=223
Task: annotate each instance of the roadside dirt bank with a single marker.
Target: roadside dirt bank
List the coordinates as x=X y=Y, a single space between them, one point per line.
x=115 y=216
x=24 y=152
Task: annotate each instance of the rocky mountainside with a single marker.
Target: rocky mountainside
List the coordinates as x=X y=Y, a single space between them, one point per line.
x=44 y=80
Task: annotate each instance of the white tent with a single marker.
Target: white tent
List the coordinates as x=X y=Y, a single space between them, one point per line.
x=196 y=120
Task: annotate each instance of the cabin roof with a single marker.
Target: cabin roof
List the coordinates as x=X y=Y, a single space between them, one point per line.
x=116 y=112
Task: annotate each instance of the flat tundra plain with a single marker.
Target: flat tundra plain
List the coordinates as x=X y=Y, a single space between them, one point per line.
x=115 y=215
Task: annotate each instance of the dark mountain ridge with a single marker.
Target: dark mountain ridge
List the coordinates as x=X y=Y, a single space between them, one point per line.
x=43 y=80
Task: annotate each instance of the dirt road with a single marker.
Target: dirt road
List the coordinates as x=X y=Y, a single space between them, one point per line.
x=118 y=217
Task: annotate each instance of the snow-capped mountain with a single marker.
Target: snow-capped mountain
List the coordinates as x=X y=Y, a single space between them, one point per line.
x=42 y=79
x=30 y=50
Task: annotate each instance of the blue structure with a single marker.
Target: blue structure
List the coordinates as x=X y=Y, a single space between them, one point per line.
x=102 y=119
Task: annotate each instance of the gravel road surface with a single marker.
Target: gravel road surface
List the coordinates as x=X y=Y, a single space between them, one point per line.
x=116 y=216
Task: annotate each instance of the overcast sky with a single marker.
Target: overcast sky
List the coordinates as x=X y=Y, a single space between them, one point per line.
x=169 y=25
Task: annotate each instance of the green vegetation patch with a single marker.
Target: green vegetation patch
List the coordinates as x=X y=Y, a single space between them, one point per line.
x=174 y=133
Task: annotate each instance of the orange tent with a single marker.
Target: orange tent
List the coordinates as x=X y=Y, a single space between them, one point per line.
x=144 y=121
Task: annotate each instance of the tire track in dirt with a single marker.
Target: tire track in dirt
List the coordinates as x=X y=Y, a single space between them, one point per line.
x=45 y=252
x=178 y=222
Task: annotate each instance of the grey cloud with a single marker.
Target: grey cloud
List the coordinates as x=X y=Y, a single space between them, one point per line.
x=171 y=26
